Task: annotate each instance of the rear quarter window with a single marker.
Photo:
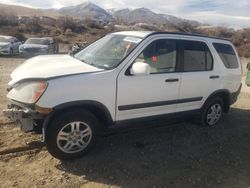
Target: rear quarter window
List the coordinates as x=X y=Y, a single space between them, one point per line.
x=227 y=55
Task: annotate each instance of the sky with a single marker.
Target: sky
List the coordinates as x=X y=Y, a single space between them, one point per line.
x=230 y=13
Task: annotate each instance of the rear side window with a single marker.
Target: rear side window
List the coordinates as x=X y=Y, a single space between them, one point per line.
x=196 y=56
x=227 y=55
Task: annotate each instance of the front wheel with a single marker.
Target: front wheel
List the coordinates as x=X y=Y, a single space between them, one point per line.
x=212 y=112
x=71 y=135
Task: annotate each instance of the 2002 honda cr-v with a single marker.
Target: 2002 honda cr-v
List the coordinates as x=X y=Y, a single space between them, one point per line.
x=123 y=76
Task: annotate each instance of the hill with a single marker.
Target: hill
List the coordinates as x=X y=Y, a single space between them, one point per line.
x=87 y=10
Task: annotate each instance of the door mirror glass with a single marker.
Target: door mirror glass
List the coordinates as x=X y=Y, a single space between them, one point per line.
x=140 y=69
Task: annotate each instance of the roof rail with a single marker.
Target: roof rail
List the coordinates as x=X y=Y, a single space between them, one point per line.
x=187 y=34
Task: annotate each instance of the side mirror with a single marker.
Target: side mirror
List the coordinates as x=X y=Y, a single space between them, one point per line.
x=140 y=69
x=248 y=66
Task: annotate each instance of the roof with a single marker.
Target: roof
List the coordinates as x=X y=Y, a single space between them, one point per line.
x=189 y=34
x=140 y=34
x=144 y=34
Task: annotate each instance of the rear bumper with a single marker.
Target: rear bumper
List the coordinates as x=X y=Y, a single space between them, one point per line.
x=24 y=116
x=234 y=96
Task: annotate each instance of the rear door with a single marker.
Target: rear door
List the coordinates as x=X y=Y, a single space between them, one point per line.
x=153 y=94
x=199 y=74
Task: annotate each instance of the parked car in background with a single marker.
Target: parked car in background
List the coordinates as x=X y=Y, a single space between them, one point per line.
x=9 y=45
x=248 y=75
x=38 y=46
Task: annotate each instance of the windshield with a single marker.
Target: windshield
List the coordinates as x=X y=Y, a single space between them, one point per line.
x=107 y=52
x=2 y=39
x=36 y=41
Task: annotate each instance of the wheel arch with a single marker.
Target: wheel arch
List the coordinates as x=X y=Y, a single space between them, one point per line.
x=98 y=109
x=224 y=94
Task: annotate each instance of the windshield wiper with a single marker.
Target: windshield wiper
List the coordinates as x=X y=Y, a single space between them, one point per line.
x=93 y=64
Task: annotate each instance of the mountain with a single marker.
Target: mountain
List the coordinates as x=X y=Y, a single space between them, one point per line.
x=87 y=10
x=140 y=15
x=91 y=11
x=111 y=11
x=143 y=15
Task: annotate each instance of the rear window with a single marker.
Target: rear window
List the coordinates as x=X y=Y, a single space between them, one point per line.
x=227 y=55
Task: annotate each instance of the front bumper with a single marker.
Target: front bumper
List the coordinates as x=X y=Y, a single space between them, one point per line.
x=5 y=51
x=24 y=116
x=32 y=53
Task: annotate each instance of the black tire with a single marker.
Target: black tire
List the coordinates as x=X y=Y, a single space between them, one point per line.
x=60 y=121
x=207 y=109
x=38 y=127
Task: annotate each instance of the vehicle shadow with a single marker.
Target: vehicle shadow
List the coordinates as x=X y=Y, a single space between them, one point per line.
x=179 y=155
x=16 y=56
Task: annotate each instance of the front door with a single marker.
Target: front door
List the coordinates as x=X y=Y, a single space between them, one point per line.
x=153 y=94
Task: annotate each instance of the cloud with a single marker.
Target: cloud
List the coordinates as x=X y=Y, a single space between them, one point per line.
x=228 y=12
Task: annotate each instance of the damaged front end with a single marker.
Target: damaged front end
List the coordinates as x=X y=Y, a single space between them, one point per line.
x=25 y=116
x=22 y=108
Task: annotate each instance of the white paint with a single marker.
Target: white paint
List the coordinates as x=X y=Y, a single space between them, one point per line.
x=46 y=66
x=114 y=88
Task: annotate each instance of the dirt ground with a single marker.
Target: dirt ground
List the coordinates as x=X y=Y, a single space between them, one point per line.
x=179 y=154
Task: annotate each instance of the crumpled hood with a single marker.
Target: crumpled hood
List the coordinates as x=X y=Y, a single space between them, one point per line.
x=33 y=46
x=47 y=66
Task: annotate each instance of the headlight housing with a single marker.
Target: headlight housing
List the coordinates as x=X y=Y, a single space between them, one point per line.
x=28 y=92
x=21 y=48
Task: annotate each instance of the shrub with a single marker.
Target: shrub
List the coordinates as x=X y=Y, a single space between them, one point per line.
x=66 y=23
x=20 y=36
x=33 y=26
x=8 y=19
x=68 y=32
x=93 y=24
x=75 y=25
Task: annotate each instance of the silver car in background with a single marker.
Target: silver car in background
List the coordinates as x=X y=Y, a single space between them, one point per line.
x=9 y=45
x=38 y=46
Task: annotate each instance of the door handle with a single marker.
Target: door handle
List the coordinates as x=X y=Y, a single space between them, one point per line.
x=172 y=80
x=214 y=77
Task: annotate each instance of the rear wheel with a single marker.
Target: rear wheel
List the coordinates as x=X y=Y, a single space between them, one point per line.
x=71 y=135
x=212 y=112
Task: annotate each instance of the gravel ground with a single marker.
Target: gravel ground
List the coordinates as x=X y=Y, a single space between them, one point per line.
x=179 y=154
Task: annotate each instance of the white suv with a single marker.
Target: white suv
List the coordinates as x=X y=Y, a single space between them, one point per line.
x=120 y=78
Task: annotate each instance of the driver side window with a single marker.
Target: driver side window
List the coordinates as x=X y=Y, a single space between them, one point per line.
x=160 y=55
